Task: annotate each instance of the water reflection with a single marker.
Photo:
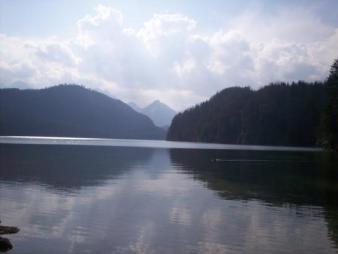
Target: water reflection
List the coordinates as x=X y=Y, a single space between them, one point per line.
x=67 y=168
x=278 y=179
x=134 y=200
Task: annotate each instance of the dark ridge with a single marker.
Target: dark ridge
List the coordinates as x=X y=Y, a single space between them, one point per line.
x=71 y=110
x=278 y=114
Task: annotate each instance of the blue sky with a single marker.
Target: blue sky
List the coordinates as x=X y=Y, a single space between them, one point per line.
x=43 y=18
x=180 y=52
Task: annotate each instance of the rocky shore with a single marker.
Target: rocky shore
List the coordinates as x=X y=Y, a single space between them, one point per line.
x=5 y=243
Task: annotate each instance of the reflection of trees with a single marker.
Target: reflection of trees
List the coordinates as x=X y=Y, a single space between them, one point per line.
x=331 y=211
x=67 y=167
x=332 y=223
x=276 y=178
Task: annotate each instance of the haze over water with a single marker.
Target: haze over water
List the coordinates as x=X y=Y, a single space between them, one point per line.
x=146 y=198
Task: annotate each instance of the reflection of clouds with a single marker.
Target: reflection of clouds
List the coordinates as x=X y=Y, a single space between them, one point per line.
x=211 y=248
x=79 y=236
x=266 y=230
x=160 y=178
x=51 y=214
x=212 y=218
x=156 y=209
x=143 y=243
x=29 y=205
x=180 y=215
x=167 y=185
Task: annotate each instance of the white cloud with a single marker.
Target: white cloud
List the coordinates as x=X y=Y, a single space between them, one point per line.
x=184 y=68
x=103 y=25
x=163 y=32
x=168 y=58
x=58 y=53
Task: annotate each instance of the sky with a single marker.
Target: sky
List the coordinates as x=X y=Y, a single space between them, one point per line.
x=180 y=52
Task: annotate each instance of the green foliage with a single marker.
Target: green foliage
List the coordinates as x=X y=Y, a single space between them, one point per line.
x=278 y=114
x=330 y=117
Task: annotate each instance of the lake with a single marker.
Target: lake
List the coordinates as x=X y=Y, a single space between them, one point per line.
x=132 y=196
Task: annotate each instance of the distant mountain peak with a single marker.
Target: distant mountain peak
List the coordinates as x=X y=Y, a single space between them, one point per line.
x=160 y=113
x=156 y=102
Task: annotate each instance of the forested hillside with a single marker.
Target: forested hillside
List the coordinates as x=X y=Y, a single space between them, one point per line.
x=278 y=114
x=73 y=111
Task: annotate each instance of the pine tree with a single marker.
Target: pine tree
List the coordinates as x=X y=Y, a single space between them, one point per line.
x=330 y=119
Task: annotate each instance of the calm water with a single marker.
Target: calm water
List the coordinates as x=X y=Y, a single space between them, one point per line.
x=93 y=196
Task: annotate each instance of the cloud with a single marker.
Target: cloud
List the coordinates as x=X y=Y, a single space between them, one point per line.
x=169 y=58
x=164 y=33
x=103 y=25
x=184 y=68
x=54 y=52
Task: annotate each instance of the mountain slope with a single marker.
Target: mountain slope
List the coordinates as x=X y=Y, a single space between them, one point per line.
x=71 y=110
x=160 y=113
x=135 y=107
x=278 y=114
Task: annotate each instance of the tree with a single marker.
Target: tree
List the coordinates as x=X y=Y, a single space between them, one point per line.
x=330 y=118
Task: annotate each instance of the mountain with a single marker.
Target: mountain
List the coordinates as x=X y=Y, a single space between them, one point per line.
x=71 y=110
x=158 y=112
x=278 y=114
x=135 y=107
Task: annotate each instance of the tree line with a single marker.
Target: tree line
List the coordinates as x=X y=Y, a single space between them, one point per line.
x=297 y=114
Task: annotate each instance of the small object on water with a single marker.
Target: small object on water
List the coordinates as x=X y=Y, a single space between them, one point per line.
x=216 y=160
